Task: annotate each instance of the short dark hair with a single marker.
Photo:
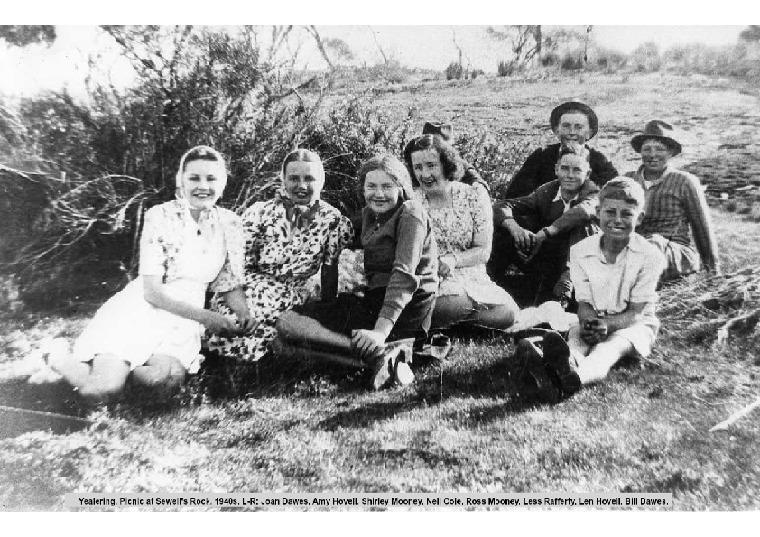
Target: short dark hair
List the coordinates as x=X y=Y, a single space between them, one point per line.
x=450 y=159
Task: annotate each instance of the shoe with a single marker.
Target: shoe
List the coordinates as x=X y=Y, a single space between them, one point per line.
x=403 y=375
x=532 y=372
x=382 y=371
x=560 y=363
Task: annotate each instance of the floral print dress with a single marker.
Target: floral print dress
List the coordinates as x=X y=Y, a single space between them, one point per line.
x=455 y=228
x=280 y=259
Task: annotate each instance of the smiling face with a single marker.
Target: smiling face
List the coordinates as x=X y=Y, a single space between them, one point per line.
x=655 y=156
x=573 y=129
x=202 y=183
x=303 y=181
x=618 y=218
x=572 y=171
x=381 y=192
x=428 y=171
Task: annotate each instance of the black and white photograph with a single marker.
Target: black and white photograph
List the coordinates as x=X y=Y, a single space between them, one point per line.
x=279 y=263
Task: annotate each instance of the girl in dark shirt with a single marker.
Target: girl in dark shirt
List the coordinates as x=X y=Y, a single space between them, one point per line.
x=401 y=267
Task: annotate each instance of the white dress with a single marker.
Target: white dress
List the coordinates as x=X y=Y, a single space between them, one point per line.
x=127 y=325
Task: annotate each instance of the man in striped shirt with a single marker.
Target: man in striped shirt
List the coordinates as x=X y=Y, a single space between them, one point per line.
x=675 y=204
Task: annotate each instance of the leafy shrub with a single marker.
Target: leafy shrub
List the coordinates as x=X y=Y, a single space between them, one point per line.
x=496 y=155
x=646 y=58
x=572 y=61
x=454 y=71
x=730 y=60
x=505 y=68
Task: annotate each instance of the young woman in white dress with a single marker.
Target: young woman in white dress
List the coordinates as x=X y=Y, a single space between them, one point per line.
x=150 y=332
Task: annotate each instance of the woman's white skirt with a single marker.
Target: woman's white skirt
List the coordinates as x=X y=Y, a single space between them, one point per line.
x=130 y=328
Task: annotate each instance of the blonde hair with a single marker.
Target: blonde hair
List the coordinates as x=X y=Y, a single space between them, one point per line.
x=623 y=188
x=200 y=152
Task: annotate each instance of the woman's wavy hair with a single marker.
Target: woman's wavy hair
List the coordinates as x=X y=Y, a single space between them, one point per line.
x=393 y=167
x=450 y=159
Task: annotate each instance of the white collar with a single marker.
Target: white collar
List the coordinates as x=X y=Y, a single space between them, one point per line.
x=558 y=197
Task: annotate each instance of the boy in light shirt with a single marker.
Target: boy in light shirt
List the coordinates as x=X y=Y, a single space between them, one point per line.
x=615 y=275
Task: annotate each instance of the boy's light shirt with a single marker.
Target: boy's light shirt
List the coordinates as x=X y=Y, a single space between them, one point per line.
x=611 y=287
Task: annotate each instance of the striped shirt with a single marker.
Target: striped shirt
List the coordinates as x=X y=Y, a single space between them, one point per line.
x=675 y=204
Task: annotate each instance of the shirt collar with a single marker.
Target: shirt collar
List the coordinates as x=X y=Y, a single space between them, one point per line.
x=593 y=248
x=558 y=197
x=649 y=184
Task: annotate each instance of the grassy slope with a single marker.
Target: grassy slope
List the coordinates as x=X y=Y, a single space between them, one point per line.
x=459 y=429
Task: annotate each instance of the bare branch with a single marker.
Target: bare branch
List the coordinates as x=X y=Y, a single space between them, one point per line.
x=320 y=45
x=377 y=44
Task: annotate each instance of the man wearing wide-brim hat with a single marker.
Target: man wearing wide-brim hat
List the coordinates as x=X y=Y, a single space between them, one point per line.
x=574 y=123
x=675 y=205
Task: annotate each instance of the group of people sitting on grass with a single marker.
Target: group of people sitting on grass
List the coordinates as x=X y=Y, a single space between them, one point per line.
x=438 y=251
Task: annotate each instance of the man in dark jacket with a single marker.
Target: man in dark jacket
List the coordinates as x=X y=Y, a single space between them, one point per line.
x=574 y=123
x=535 y=232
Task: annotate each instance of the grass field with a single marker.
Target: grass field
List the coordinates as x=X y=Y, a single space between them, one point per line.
x=460 y=427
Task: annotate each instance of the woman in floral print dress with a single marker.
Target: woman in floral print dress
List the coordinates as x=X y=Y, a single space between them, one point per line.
x=462 y=221
x=289 y=239
x=150 y=332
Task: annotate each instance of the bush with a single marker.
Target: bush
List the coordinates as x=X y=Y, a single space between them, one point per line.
x=217 y=92
x=572 y=61
x=505 y=68
x=454 y=71
x=646 y=58
x=731 y=60
x=496 y=155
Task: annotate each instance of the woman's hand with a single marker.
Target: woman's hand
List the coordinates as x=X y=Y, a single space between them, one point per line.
x=218 y=323
x=368 y=344
x=446 y=264
x=246 y=322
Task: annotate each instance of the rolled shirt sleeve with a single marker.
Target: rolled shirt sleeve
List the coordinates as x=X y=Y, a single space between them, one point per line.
x=645 y=287
x=579 y=277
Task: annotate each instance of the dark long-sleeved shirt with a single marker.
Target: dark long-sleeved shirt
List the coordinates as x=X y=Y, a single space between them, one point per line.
x=400 y=254
x=538 y=169
x=545 y=210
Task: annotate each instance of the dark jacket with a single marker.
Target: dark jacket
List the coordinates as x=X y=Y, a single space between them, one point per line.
x=538 y=169
x=539 y=209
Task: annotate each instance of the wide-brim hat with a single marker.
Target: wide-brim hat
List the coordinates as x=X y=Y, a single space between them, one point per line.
x=575 y=106
x=656 y=130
